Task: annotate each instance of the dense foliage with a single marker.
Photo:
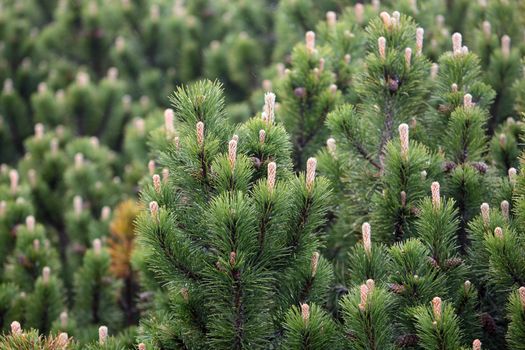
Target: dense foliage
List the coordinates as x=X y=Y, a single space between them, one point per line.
x=348 y=176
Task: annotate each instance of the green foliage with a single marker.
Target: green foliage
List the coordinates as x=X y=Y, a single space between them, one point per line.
x=232 y=245
x=438 y=326
x=96 y=291
x=308 y=94
x=241 y=248
x=367 y=317
x=515 y=310
x=309 y=327
x=45 y=302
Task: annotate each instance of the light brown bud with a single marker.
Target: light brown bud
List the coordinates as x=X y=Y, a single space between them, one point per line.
x=436 y=197
x=381 y=44
x=456 y=43
x=467 y=101
x=97 y=246
x=331 y=18
x=185 y=294
x=82 y=79
x=232 y=153
x=46 y=273
x=102 y=334
x=112 y=74
x=403 y=198
x=385 y=17
x=262 y=136
x=156 y=183
x=16 y=329
x=36 y=245
x=267 y=85
x=272 y=170
x=64 y=319
x=165 y=175
x=53 y=145
x=269 y=106
x=367 y=237
x=310 y=41
x=487 y=29
x=311 y=165
x=305 y=312
x=408 y=56
x=94 y=141
x=154 y=209
x=63 y=340
x=505 y=46
x=169 y=117
x=359 y=11
x=502 y=140
x=436 y=307
x=370 y=284
x=200 y=133
x=13 y=180
x=151 y=167
x=467 y=285
x=505 y=209
x=364 y=295
x=434 y=69
x=42 y=88
x=331 y=145
x=498 y=232
x=404 y=139
x=512 y=175
x=521 y=292
x=476 y=344
x=79 y=161
x=39 y=131
x=420 y=33
x=30 y=223
x=139 y=125
x=485 y=213
x=314 y=263
x=8 y=86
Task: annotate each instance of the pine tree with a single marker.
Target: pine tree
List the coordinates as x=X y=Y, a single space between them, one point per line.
x=231 y=235
x=18 y=339
x=96 y=292
x=389 y=91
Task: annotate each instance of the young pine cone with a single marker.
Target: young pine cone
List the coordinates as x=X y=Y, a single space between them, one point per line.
x=442 y=108
x=488 y=323
x=481 y=167
x=449 y=166
x=433 y=262
x=407 y=340
x=393 y=84
x=396 y=288
x=256 y=162
x=453 y=262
